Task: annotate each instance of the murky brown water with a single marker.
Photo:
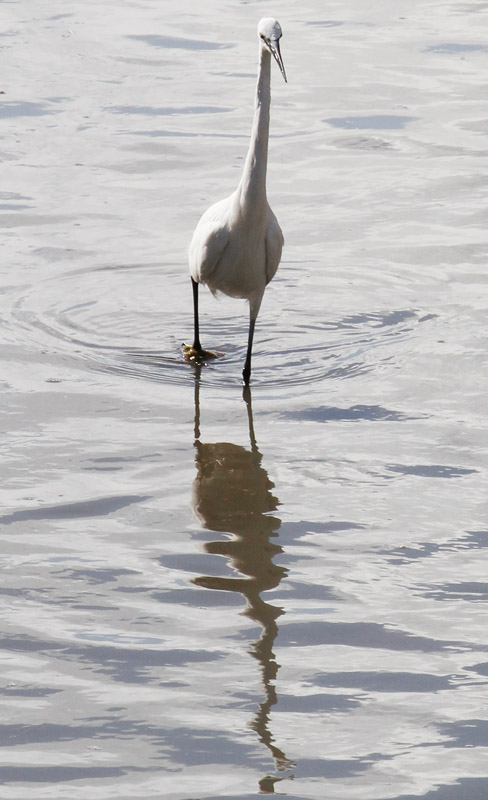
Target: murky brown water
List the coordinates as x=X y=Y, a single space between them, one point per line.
x=205 y=594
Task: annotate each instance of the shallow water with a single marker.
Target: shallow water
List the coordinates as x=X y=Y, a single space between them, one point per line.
x=205 y=594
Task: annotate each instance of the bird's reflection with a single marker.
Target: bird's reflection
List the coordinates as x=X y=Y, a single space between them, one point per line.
x=232 y=494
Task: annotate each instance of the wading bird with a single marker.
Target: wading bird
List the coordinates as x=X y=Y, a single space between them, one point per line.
x=237 y=244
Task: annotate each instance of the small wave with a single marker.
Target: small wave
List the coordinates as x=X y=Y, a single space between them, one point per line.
x=97 y=316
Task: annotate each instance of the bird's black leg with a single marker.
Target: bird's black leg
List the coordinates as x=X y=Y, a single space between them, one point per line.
x=246 y=372
x=196 y=338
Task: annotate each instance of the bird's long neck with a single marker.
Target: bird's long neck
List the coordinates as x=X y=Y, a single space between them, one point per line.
x=252 y=187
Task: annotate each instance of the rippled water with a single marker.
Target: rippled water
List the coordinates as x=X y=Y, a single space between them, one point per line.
x=210 y=594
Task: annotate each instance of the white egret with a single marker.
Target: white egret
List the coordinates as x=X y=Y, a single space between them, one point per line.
x=237 y=244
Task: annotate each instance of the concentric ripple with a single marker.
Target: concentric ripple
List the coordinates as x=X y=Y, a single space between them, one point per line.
x=132 y=320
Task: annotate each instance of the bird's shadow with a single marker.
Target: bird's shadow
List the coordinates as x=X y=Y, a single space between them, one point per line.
x=232 y=495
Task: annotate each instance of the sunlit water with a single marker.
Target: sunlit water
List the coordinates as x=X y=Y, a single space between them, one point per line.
x=205 y=594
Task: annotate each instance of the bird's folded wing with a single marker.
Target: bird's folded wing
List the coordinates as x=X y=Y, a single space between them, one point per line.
x=274 y=246
x=207 y=246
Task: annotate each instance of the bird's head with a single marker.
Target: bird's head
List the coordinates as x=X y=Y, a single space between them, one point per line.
x=269 y=31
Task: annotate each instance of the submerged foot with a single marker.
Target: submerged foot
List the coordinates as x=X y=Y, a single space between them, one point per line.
x=199 y=355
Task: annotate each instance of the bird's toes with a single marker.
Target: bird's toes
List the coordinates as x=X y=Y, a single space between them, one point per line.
x=199 y=356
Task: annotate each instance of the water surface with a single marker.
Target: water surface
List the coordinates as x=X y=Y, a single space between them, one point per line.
x=215 y=595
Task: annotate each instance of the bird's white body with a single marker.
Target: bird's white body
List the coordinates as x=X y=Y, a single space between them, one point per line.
x=236 y=247
x=235 y=254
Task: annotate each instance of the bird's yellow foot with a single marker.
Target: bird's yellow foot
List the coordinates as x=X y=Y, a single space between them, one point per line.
x=197 y=356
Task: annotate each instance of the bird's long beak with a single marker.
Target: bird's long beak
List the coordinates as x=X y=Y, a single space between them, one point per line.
x=274 y=46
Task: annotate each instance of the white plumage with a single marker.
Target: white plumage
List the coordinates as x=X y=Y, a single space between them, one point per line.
x=236 y=247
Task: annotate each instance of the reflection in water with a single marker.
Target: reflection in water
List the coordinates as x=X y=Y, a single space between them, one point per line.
x=232 y=494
